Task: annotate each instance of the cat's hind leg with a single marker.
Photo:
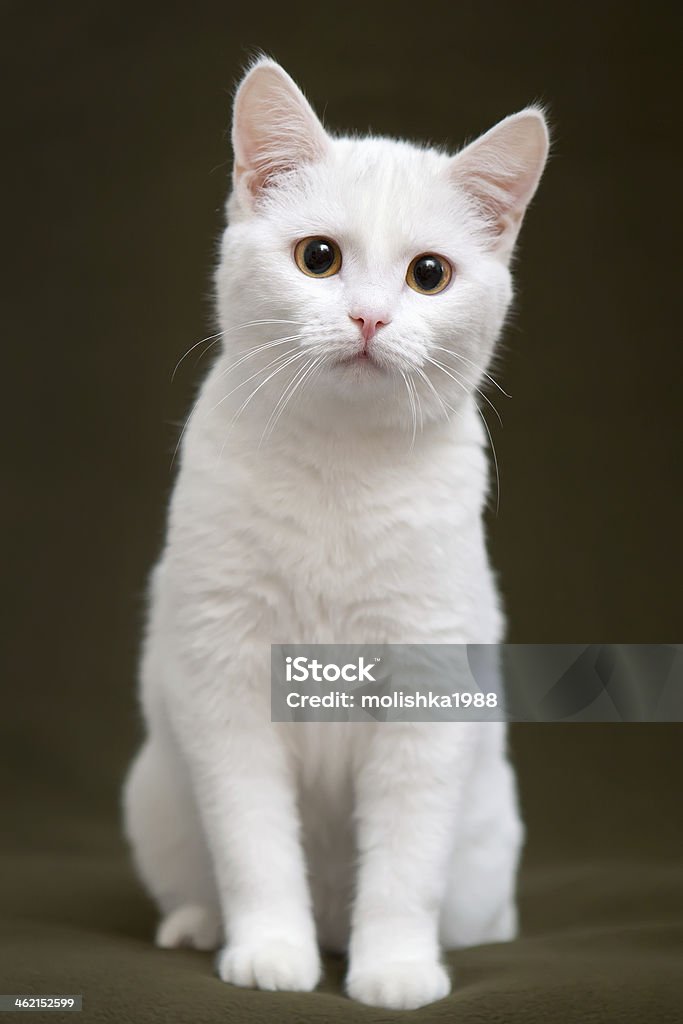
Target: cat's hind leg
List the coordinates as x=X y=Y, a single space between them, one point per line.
x=163 y=827
x=480 y=900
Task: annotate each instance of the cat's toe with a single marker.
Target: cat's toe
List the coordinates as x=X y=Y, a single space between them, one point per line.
x=399 y=985
x=275 y=965
x=190 y=925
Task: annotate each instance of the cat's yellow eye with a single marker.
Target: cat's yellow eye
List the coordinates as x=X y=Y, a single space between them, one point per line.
x=429 y=274
x=318 y=257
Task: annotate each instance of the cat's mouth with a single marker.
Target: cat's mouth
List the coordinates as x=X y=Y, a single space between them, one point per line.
x=361 y=359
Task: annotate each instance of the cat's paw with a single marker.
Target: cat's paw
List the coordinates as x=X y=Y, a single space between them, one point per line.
x=272 y=964
x=189 y=925
x=399 y=984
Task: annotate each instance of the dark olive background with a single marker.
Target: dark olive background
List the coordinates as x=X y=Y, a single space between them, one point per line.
x=115 y=167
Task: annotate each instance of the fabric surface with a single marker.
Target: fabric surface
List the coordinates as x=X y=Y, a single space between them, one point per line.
x=601 y=905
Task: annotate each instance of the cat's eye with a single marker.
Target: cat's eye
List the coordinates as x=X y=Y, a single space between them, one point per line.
x=318 y=257
x=429 y=274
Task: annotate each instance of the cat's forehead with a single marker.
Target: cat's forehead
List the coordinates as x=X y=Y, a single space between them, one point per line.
x=378 y=192
x=373 y=158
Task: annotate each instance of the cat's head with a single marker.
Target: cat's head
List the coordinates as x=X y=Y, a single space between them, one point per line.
x=373 y=270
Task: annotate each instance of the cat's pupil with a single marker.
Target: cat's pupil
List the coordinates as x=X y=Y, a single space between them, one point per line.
x=318 y=256
x=428 y=273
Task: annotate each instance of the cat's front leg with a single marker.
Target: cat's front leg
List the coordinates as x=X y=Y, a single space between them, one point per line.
x=247 y=800
x=408 y=792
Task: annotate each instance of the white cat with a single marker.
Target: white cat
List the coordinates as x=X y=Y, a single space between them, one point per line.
x=332 y=479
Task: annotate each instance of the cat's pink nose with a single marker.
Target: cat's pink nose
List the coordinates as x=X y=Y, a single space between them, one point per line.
x=369 y=323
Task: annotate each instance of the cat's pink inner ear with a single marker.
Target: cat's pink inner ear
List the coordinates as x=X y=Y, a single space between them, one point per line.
x=501 y=171
x=274 y=129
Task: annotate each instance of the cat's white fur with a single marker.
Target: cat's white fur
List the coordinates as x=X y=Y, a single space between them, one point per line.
x=354 y=516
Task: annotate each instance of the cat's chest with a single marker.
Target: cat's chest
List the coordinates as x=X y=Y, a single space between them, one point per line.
x=340 y=528
x=353 y=556
x=330 y=553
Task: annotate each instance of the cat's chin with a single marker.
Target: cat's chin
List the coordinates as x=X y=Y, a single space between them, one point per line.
x=350 y=383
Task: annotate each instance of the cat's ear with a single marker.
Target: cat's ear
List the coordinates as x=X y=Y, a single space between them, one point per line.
x=274 y=129
x=501 y=170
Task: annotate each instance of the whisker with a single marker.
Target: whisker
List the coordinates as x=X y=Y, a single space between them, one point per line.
x=412 y=408
x=213 y=338
x=287 y=395
x=479 y=369
x=282 y=400
x=182 y=432
x=262 y=369
x=446 y=408
x=233 y=421
x=486 y=427
x=259 y=348
x=495 y=458
x=204 y=351
x=449 y=371
x=418 y=404
x=288 y=362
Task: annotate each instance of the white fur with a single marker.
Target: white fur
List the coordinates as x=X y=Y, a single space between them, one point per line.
x=355 y=517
